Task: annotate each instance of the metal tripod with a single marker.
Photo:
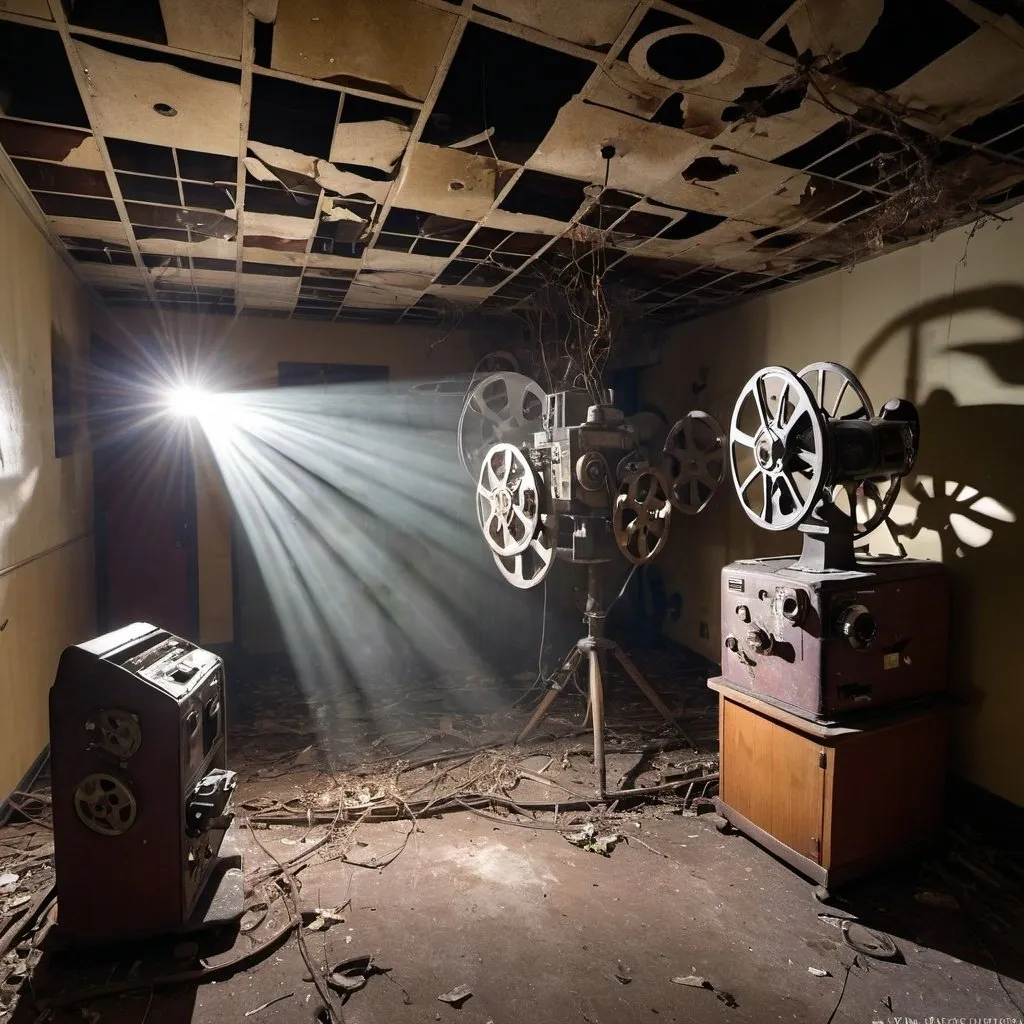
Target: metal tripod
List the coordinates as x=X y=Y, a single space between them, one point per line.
x=595 y=645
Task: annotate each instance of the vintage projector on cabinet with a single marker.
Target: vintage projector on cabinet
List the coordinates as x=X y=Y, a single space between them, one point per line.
x=563 y=476
x=140 y=788
x=832 y=631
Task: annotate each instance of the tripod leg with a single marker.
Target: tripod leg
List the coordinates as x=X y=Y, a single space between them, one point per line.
x=597 y=710
x=566 y=670
x=645 y=688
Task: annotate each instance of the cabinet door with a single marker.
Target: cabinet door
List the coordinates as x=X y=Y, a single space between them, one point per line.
x=773 y=776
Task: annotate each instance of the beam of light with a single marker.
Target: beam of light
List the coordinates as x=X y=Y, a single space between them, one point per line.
x=188 y=401
x=361 y=522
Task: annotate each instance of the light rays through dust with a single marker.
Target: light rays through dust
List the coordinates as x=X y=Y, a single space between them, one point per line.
x=361 y=521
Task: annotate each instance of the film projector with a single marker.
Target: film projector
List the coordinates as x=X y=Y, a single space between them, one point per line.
x=833 y=733
x=829 y=632
x=140 y=788
x=559 y=476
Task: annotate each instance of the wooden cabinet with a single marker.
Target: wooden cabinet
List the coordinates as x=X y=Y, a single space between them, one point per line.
x=832 y=801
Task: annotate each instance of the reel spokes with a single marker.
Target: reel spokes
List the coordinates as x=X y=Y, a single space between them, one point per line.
x=777 y=449
x=693 y=463
x=507 y=500
x=641 y=517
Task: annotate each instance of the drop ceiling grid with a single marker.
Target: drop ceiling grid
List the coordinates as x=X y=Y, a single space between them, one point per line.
x=715 y=227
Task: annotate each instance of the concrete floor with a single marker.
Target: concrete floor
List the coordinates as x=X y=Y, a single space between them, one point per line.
x=542 y=931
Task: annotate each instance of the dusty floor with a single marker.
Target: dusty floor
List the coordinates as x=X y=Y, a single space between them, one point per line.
x=539 y=929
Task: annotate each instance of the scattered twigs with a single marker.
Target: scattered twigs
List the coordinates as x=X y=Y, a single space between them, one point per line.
x=24 y=919
x=290 y=897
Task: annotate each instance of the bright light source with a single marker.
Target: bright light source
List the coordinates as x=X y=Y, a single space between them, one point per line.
x=188 y=401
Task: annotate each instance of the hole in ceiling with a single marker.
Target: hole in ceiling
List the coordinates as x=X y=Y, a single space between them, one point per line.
x=545 y=195
x=670 y=113
x=292 y=115
x=38 y=141
x=708 y=168
x=456 y=185
x=36 y=82
x=361 y=108
x=486 y=88
x=141 y=157
x=767 y=100
x=47 y=177
x=908 y=36
x=732 y=113
x=684 y=56
x=165 y=109
x=775 y=241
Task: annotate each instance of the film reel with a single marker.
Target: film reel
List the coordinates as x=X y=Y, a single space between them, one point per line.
x=529 y=567
x=105 y=804
x=641 y=517
x=114 y=731
x=693 y=462
x=840 y=395
x=507 y=500
x=502 y=408
x=777 y=449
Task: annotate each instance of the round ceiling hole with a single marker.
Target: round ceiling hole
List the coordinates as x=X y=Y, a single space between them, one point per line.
x=456 y=185
x=685 y=56
x=164 y=108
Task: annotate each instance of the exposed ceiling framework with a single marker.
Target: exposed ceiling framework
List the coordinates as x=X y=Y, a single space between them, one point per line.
x=397 y=159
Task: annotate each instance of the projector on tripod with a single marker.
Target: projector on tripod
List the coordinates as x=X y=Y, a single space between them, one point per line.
x=562 y=476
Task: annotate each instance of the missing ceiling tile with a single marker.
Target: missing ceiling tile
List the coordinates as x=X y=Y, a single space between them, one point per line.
x=684 y=55
x=279 y=201
x=487 y=76
x=138 y=19
x=693 y=223
x=76 y=206
x=36 y=82
x=292 y=115
x=141 y=158
x=47 y=177
x=144 y=189
x=208 y=167
x=708 y=168
x=212 y=27
x=545 y=195
x=908 y=36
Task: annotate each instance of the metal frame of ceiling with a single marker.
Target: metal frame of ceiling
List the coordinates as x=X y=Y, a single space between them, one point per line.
x=493 y=267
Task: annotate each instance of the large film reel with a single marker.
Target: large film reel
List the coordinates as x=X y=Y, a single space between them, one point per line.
x=504 y=407
x=507 y=500
x=105 y=804
x=777 y=449
x=840 y=395
x=530 y=566
x=641 y=517
x=693 y=462
x=115 y=732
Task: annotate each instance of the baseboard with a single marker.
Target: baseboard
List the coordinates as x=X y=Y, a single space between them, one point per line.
x=28 y=780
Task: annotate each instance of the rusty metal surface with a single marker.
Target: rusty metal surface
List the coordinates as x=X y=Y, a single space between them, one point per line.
x=808 y=665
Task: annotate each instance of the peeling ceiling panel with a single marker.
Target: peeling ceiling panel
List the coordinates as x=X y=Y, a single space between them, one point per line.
x=645 y=154
x=587 y=22
x=210 y=248
x=992 y=58
x=621 y=88
x=129 y=94
x=770 y=137
x=394 y=43
x=833 y=27
x=212 y=26
x=276 y=225
x=80 y=227
x=370 y=143
x=404 y=262
x=450 y=182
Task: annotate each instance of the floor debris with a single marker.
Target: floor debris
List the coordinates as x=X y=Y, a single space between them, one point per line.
x=457 y=996
x=819 y=972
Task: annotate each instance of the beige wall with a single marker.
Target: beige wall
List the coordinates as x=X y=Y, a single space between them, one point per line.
x=46 y=556
x=244 y=352
x=941 y=323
